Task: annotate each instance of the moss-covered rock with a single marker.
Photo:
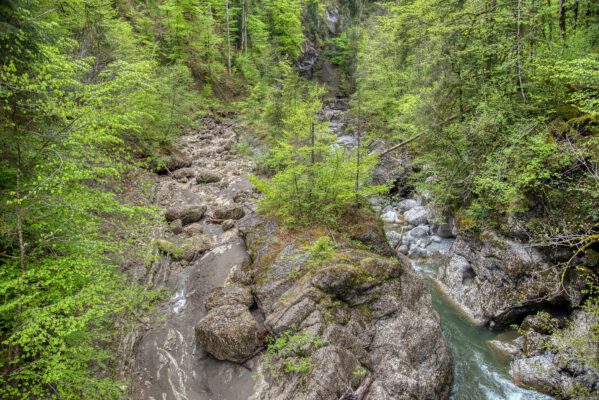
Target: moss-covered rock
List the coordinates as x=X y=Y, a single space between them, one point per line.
x=370 y=310
x=186 y=249
x=187 y=214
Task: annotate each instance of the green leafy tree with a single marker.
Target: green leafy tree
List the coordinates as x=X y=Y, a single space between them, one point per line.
x=499 y=96
x=313 y=179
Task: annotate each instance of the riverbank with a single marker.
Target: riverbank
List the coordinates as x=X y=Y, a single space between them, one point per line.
x=479 y=290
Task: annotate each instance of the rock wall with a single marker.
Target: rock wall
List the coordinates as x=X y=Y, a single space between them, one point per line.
x=370 y=315
x=500 y=281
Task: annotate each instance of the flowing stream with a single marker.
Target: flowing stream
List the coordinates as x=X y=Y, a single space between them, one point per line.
x=479 y=373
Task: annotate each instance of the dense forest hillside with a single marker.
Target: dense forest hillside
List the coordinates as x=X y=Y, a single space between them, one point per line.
x=486 y=109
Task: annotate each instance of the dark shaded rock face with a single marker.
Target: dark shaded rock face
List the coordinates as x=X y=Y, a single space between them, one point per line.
x=369 y=231
x=499 y=281
x=371 y=318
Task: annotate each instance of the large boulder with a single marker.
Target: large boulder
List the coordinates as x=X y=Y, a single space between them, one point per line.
x=228 y=332
x=393 y=238
x=389 y=216
x=406 y=204
x=361 y=273
x=419 y=232
x=444 y=230
x=537 y=372
x=175 y=161
x=186 y=250
x=207 y=176
x=229 y=295
x=187 y=214
x=416 y=216
x=232 y=213
x=176 y=226
x=183 y=173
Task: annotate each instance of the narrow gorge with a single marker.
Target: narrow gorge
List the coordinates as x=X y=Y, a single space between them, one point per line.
x=299 y=199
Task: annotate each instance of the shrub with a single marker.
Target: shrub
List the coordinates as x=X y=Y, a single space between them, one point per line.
x=291 y=352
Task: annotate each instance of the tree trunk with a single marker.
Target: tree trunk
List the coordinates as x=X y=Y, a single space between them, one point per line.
x=312 y=143
x=244 y=21
x=548 y=22
x=397 y=146
x=358 y=145
x=561 y=18
x=519 y=50
x=19 y=215
x=228 y=38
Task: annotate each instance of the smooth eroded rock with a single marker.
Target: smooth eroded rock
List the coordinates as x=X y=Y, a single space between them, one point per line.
x=506 y=348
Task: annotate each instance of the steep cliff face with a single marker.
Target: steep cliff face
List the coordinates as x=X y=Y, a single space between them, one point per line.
x=322 y=26
x=500 y=281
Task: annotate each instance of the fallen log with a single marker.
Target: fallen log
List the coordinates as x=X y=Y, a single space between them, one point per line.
x=397 y=146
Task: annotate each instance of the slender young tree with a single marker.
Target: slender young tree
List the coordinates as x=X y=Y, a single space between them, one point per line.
x=244 y=23
x=228 y=38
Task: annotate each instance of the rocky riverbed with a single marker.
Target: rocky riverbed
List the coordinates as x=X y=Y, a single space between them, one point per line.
x=204 y=192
